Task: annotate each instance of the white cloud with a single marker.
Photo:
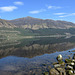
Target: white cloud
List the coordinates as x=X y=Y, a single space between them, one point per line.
x=61 y=16
x=54 y=7
x=18 y=3
x=34 y=12
x=37 y=11
x=8 y=8
x=72 y=14
x=59 y=13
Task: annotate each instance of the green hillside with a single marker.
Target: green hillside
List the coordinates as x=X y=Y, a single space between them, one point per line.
x=21 y=32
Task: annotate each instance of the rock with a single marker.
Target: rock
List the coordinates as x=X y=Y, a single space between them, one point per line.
x=46 y=73
x=49 y=67
x=74 y=56
x=70 y=72
x=62 y=68
x=72 y=64
x=57 y=65
x=61 y=71
x=70 y=57
x=74 y=67
x=73 y=60
x=53 y=71
x=74 y=71
x=59 y=57
x=68 y=60
x=62 y=63
x=44 y=64
x=69 y=51
x=69 y=67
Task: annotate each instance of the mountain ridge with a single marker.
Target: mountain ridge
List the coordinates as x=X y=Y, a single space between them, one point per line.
x=5 y=23
x=36 y=23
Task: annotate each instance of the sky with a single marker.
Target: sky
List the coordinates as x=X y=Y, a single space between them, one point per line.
x=43 y=9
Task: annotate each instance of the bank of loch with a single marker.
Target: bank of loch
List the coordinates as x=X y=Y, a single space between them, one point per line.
x=63 y=67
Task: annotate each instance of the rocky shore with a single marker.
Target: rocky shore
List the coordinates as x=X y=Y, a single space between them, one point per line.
x=61 y=67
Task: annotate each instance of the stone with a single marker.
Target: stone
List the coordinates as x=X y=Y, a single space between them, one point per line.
x=44 y=64
x=74 y=67
x=57 y=65
x=46 y=73
x=69 y=67
x=72 y=63
x=74 y=71
x=63 y=68
x=49 y=67
x=53 y=71
x=68 y=60
x=70 y=72
x=61 y=71
x=59 y=57
x=61 y=62
x=69 y=56
x=74 y=56
x=73 y=60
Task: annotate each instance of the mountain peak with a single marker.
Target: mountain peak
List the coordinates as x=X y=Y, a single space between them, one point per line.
x=28 y=17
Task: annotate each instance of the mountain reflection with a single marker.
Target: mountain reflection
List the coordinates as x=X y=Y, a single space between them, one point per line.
x=35 y=47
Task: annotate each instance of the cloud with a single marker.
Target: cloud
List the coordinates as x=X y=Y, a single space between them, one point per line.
x=8 y=8
x=18 y=3
x=72 y=14
x=34 y=12
x=59 y=13
x=37 y=11
x=54 y=7
x=61 y=16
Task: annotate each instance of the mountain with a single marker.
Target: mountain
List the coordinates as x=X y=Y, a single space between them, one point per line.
x=35 y=23
x=4 y=23
x=29 y=26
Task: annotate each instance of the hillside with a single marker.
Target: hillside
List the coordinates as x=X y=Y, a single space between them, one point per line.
x=4 y=23
x=35 y=23
x=29 y=26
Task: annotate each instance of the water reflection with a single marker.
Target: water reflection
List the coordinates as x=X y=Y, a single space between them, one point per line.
x=35 y=47
x=26 y=56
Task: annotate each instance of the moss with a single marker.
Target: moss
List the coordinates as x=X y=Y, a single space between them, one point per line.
x=46 y=73
x=61 y=62
x=68 y=60
x=69 y=72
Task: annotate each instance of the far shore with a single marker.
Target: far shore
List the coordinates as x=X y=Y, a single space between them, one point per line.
x=68 y=36
x=34 y=36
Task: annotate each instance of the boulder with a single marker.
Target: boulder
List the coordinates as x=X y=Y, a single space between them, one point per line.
x=53 y=71
x=59 y=57
x=57 y=65
x=69 y=67
x=61 y=71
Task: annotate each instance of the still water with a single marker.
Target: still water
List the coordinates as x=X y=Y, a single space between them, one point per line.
x=32 y=56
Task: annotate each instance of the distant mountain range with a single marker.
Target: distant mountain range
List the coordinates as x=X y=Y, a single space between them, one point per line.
x=35 y=23
x=29 y=26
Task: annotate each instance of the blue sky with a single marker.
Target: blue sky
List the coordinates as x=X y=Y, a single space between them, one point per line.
x=44 y=9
